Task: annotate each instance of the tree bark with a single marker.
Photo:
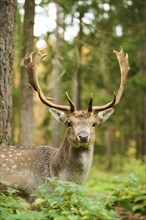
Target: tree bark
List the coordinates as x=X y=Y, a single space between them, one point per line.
x=109 y=147
x=26 y=113
x=56 y=79
x=15 y=122
x=7 y=30
x=144 y=75
x=77 y=77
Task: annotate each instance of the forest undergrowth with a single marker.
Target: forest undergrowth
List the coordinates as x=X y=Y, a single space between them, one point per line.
x=104 y=196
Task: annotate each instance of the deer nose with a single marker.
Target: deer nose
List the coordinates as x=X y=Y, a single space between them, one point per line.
x=83 y=136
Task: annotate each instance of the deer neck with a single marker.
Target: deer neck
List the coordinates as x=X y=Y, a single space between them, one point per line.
x=72 y=163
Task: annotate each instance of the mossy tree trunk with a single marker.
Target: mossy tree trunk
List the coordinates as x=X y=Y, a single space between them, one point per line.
x=7 y=31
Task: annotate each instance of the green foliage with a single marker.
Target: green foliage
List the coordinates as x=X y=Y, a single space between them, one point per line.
x=127 y=192
x=13 y=207
x=59 y=200
x=137 y=167
x=72 y=202
x=101 y=176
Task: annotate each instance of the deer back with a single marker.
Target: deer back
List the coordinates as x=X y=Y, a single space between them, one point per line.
x=24 y=168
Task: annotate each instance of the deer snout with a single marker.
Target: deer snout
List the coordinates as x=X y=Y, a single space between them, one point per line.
x=83 y=137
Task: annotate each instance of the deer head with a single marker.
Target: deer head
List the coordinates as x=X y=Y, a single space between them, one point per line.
x=81 y=124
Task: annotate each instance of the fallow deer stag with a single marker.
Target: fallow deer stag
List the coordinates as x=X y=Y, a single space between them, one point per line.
x=25 y=168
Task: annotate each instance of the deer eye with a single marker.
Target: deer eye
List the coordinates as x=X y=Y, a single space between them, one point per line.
x=69 y=124
x=94 y=124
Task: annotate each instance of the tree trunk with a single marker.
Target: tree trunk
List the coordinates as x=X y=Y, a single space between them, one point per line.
x=26 y=113
x=7 y=30
x=144 y=75
x=15 y=122
x=76 y=82
x=144 y=122
x=77 y=76
x=122 y=147
x=109 y=147
x=56 y=79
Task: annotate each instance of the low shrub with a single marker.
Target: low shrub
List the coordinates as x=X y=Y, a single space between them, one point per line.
x=59 y=200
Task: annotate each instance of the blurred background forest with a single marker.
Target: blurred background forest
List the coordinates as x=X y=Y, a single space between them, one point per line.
x=79 y=37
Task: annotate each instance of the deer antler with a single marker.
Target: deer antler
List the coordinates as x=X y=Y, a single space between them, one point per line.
x=33 y=79
x=31 y=69
x=124 y=68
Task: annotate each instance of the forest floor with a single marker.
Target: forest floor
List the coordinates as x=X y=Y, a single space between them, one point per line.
x=101 y=180
x=126 y=215
x=106 y=195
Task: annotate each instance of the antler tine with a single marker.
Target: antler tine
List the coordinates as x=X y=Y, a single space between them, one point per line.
x=33 y=79
x=72 y=105
x=29 y=64
x=124 y=68
x=90 y=108
x=31 y=68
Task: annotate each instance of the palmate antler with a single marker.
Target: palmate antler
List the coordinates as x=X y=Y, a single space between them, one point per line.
x=31 y=63
x=124 y=68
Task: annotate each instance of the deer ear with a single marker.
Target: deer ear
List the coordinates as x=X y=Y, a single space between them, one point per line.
x=60 y=116
x=104 y=115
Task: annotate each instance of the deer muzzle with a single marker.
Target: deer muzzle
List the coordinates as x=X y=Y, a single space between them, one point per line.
x=83 y=137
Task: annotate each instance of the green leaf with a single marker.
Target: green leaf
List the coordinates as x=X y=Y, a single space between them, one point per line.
x=126 y=204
